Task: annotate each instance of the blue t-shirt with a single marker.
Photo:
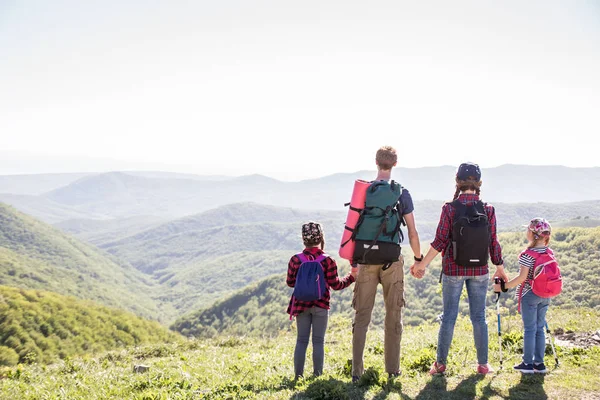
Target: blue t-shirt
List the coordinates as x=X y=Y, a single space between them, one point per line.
x=407 y=202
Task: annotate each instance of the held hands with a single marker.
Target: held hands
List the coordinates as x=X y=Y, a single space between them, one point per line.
x=418 y=270
x=354 y=272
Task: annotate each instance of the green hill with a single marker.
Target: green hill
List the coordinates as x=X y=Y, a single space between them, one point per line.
x=228 y=367
x=579 y=222
x=34 y=255
x=260 y=308
x=188 y=257
x=40 y=326
x=101 y=231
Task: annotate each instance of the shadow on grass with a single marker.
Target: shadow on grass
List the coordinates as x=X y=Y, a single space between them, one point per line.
x=331 y=388
x=436 y=388
x=531 y=387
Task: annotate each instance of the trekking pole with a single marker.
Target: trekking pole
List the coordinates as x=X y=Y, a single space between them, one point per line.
x=501 y=282
x=552 y=344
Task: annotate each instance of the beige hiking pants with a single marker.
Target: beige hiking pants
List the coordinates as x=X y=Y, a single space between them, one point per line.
x=365 y=289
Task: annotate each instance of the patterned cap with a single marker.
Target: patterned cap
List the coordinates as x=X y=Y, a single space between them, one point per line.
x=540 y=227
x=312 y=232
x=467 y=170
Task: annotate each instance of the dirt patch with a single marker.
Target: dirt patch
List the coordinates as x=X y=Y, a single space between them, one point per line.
x=573 y=339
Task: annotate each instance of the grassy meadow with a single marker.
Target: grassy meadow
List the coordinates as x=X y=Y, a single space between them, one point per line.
x=234 y=367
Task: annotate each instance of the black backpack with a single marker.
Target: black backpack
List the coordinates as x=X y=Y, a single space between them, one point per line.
x=470 y=234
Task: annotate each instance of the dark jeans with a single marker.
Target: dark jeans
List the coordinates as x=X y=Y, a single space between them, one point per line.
x=316 y=318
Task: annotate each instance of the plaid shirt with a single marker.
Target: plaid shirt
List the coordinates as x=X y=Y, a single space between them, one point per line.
x=443 y=241
x=331 y=276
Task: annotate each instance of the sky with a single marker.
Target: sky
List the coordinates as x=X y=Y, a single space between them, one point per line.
x=296 y=90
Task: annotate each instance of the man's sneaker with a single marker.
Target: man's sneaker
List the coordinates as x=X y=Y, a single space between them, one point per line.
x=524 y=368
x=437 y=369
x=539 y=368
x=484 y=369
x=393 y=375
x=355 y=379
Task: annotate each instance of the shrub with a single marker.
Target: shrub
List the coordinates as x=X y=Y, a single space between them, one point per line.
x=8 y=356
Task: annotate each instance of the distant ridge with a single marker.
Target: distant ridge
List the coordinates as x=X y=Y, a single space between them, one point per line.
x=122 y=194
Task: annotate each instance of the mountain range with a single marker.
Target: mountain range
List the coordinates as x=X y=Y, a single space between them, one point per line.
x=167 y=268
x=169 y=195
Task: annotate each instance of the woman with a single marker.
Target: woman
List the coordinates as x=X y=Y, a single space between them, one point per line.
x=465 y=235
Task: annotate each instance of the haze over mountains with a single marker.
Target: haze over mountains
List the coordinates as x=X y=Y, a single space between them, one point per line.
x=168 y=195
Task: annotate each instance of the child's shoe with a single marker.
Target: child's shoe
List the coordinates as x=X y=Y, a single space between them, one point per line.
x=484 y=369
x=524 y=368
x=539 y=368
x=437 y=369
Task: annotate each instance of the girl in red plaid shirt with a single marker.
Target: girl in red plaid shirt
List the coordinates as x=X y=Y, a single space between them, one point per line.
x=313 y=314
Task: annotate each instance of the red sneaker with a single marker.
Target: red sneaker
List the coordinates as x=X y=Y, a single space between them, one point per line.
x=484 y=369
x=437 y=369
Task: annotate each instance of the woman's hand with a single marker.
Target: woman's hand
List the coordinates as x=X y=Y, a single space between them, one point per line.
x=354 y=272
x=418 y=270
x=500 y=273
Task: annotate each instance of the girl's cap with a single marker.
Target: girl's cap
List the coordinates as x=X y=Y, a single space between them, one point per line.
x=540 y=227
x=312 y=232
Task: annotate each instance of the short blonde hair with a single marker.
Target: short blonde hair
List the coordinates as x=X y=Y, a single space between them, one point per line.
x=386 y=157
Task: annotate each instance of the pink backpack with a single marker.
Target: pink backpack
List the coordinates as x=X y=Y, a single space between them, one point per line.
x=547 y=280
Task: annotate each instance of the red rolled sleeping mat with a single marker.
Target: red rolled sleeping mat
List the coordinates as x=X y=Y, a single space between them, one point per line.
x=357 y=203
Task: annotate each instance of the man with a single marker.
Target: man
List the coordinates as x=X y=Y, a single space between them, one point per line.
x=389 y=272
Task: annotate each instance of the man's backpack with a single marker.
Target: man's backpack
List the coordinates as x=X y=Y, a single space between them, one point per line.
x=547 y=280
x=310 y=280
x=470 y=234
x=377 y=232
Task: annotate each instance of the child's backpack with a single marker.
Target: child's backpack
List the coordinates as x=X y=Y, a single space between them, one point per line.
x=377 y=232
x=470 y=234
x=310 y=280
x=547 y=280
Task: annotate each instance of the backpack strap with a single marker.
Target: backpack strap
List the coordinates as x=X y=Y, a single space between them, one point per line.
x=302 y=257
x=520 y=296
x=457 y=204
x=353 y=230
x=398 y=209
x=321 y=258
